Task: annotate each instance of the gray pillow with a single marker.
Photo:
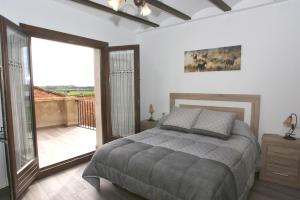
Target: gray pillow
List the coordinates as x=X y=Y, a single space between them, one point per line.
x=162 y=120
x=181 y=119
x=214 y=124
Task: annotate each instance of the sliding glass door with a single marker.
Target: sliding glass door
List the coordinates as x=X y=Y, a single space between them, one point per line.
x=18 y=105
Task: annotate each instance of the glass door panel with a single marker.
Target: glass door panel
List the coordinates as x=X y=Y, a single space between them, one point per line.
x=20 y=91
x=18 y=105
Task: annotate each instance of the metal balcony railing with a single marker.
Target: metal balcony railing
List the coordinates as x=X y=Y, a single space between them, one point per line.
x=86 y=113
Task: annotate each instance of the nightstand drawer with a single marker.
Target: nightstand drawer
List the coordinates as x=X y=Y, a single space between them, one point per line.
x=288 y=153
x=281 y=178
x=282 y=161
x=283 y=170
x=280 y=173
x=145 y=124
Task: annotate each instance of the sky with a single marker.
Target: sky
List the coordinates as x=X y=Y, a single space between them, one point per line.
x=56 y=64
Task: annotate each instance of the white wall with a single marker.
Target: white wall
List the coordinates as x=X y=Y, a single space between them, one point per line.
x=270 y=39
x=66 y=17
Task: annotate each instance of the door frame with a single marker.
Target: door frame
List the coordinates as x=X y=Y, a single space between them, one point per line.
x=107 y=136
x=18 y=182
x=47 y=34
x=9 y=189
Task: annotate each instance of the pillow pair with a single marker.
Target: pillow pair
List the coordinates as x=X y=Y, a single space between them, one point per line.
x=200 y=121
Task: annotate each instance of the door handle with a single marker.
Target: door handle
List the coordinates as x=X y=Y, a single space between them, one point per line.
x=3 y=139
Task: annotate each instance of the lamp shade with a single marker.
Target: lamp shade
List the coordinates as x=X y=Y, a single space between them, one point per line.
x=288 y=121
x=151 y=109
x=145 y=10
x=114 y=4
x=139 y=2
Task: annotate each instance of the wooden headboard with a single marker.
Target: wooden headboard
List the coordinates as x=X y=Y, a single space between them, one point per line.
x=253 y=100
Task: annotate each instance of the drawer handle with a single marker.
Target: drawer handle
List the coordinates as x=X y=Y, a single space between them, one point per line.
x=280 y=174
x=280 y=153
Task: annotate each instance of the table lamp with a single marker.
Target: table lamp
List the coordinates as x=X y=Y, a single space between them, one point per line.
x=291 y=122
x=151 y=111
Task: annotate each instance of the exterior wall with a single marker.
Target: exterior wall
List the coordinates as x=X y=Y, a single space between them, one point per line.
x=61 y=111
x=71 y=112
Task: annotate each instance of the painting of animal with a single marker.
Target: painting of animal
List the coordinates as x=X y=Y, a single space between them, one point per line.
x=217 y=59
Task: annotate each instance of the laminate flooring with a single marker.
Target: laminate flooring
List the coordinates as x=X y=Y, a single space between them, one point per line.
x=69 y=185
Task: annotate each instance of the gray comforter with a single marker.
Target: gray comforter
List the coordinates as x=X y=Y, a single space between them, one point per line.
x=168 y=165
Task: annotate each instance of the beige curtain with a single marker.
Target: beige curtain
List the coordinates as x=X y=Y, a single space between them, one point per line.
x=122 y=92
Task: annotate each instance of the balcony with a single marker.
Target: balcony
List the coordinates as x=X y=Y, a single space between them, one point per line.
x=57 y=144
x=66 y=128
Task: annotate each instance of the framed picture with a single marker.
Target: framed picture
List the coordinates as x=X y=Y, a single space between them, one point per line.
x=217 y=59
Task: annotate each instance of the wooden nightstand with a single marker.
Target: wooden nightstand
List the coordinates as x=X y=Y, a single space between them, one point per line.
x=145 y=124
x=280 y=160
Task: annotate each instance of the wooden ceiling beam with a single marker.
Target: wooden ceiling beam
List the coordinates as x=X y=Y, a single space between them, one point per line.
x=168 y=9
x=221 y=4
x=118 y=13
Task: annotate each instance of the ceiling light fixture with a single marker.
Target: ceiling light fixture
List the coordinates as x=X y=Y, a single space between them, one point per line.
x=114 y=4
x=145 y=10
x=139 y=3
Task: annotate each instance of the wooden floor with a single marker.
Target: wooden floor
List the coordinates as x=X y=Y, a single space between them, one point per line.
x=69 y=185
x=61 y=143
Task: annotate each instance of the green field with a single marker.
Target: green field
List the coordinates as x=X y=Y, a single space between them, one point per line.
x=71 y=90
x=77 y=93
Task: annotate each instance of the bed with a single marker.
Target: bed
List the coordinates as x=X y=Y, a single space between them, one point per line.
x=166 y=164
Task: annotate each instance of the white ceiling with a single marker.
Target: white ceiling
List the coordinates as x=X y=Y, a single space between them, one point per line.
x=194 y=8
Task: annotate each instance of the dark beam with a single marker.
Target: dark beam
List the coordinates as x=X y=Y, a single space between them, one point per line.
x=118 y=13
x=221 y=4
x=168 y=9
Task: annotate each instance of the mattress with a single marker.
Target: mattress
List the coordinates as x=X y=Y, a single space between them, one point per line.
x=170 y=165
